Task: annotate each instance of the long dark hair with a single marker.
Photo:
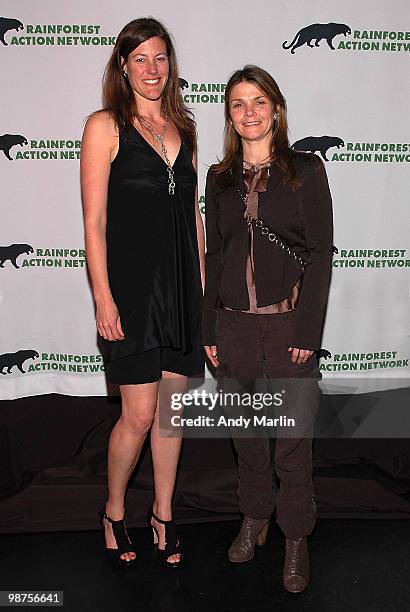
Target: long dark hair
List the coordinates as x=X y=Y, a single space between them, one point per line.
x=281 y=153
x=118 y=96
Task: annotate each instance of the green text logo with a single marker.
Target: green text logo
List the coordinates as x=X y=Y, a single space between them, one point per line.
x=56 y=258
x=371 y=258
x=359 y=362
x=378 y=152
x=377 y=40
x=202 y=93
x=62 y=35
x=51 y=149
x=63 y=362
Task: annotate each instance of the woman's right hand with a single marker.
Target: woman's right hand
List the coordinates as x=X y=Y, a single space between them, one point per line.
x=212 y=355
x=108 y=321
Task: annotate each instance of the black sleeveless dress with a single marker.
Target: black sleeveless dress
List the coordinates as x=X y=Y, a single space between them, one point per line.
x=152 y=251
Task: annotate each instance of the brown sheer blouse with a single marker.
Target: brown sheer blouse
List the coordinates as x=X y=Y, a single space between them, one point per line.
x=255 y=178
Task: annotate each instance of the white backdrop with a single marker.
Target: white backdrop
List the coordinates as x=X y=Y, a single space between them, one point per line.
x=51 y=68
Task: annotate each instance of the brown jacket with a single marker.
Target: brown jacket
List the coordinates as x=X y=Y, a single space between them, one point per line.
x=303 y=218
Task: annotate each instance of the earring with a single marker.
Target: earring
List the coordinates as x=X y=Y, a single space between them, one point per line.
x=125 y=75
x=276 y=116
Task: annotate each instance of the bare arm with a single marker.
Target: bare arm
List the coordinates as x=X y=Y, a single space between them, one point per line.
x=199 y=230
x=99 y=146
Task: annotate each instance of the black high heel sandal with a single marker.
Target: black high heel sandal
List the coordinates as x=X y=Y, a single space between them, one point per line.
x=172 y=546
x=122 y=540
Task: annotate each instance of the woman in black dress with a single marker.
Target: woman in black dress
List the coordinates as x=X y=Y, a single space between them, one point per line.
x=144 y=245
x=268 y=263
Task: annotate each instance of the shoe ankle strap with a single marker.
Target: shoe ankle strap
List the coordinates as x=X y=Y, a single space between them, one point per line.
x=154 y=516
x=107 y=517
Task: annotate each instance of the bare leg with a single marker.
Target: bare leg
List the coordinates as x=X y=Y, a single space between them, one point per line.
x=126 y=440
x=165 y=455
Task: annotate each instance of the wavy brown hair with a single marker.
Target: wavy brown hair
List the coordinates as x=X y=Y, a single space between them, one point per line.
x=281 y=153
x=118 y=97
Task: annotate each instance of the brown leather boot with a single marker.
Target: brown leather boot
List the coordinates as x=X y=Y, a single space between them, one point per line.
x=252 y=531
x=296 y=568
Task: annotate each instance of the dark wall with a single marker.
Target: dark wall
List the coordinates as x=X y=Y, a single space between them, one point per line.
x=53 y=469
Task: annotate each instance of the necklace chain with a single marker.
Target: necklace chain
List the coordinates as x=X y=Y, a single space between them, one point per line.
x=259 y=163
x=159 y=137
x=267 y=232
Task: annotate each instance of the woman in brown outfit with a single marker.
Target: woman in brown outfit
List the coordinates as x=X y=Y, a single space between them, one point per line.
x=268 y=265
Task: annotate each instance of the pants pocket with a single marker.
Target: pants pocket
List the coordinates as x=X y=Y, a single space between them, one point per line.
x=224 y=320
x=310 y=369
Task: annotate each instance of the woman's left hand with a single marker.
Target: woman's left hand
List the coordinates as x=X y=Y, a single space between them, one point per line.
x=299 y=355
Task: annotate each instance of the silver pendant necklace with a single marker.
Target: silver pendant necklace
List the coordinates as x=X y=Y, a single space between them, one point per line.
x=159 y=137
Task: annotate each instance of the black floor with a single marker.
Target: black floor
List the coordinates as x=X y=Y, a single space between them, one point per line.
x=355 y=566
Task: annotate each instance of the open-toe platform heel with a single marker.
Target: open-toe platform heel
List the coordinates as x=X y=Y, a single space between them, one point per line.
x=172 y=546
x=122 y=540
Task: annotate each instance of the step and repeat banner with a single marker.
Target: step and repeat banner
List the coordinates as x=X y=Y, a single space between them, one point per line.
x=343 y=68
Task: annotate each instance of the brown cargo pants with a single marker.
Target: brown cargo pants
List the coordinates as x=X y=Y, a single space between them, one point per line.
x=275 y=465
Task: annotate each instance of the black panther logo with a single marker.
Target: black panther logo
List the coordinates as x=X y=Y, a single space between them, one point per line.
x=317 y=31
x=9 y=360
x=11 y=140
x=323 y=354
x=335 y=250
x=12 y=252
x=183 y=83
x=312 y=144
x=7 y=24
